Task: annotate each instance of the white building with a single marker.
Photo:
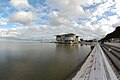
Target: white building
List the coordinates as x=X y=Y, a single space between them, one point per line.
x=67 y=38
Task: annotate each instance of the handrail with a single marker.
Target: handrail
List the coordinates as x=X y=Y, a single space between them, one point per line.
x=108 y=67
x=96 y=67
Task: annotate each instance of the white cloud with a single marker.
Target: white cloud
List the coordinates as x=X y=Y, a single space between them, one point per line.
x=114 y=19
x=22 y=17
x=58 y=19
x=73 y=9
x=103 y=23
x=102 y=8
x=117 y=7
x=115 y=25
x=89 y=26
x=63 y=15
x=104 y=26
x=110 y=21
x=20 y=3
x=2 y=23
x=69 y=8
x=8 y=32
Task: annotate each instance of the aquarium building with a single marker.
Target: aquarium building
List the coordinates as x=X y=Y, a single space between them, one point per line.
x=70 y=38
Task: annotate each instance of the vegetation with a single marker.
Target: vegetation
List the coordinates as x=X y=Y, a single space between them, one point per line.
x=114 y=34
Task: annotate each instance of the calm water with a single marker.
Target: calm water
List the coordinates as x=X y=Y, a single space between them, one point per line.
x=39 y=61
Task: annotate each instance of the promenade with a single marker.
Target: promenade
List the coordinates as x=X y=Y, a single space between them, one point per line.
x=96 y=67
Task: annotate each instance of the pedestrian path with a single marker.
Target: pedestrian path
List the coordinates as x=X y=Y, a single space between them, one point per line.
x=96 y=67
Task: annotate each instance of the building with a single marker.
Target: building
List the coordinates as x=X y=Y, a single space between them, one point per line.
x=67 y=38
x=115 y=40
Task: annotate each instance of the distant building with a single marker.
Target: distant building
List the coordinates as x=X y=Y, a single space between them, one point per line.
x=114 y=40
x=67 y=38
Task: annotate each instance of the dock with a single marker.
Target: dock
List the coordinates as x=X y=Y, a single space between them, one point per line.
x=98 y=66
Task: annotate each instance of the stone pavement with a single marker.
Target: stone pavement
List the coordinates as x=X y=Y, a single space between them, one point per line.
x=96 y=67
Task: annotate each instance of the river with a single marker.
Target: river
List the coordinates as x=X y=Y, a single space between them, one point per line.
x=39 y=61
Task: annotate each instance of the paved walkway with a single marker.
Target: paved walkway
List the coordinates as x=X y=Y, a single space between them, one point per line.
x=96 y=67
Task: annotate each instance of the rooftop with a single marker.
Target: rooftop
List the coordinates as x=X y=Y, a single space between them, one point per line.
x=66 y=34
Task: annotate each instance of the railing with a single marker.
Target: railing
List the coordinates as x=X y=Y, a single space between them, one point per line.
x=96 y=67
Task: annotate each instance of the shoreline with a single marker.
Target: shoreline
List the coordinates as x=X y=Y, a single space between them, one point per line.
x=16 y=41
x=74 y=72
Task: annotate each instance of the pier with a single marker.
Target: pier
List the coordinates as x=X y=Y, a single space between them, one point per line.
x=102 y=64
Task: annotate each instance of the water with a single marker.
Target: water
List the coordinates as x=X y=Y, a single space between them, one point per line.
x=39 y=61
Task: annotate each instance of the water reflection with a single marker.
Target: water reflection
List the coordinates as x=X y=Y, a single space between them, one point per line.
x=81 y=44
x=39 y=61
x=67 y=48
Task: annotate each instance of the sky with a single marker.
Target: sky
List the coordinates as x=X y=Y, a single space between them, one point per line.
x=42 y=19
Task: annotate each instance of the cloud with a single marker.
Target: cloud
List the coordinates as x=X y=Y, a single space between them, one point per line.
x=58 y=19
x=11 y=32
x=88 y=18
x=22 y=17
x=102 y=8
x=69 y=8
x=74 y=9
x=70 y=12
x=20 y=3
x=2 y=23
x=116 y=24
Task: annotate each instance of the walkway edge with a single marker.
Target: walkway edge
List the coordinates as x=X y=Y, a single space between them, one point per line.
x=96 y=67
x=110 y=71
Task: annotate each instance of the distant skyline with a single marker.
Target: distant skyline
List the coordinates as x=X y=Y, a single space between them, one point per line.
x=40 y=19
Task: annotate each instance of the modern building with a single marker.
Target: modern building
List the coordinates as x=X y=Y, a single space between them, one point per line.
x=70 y=38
